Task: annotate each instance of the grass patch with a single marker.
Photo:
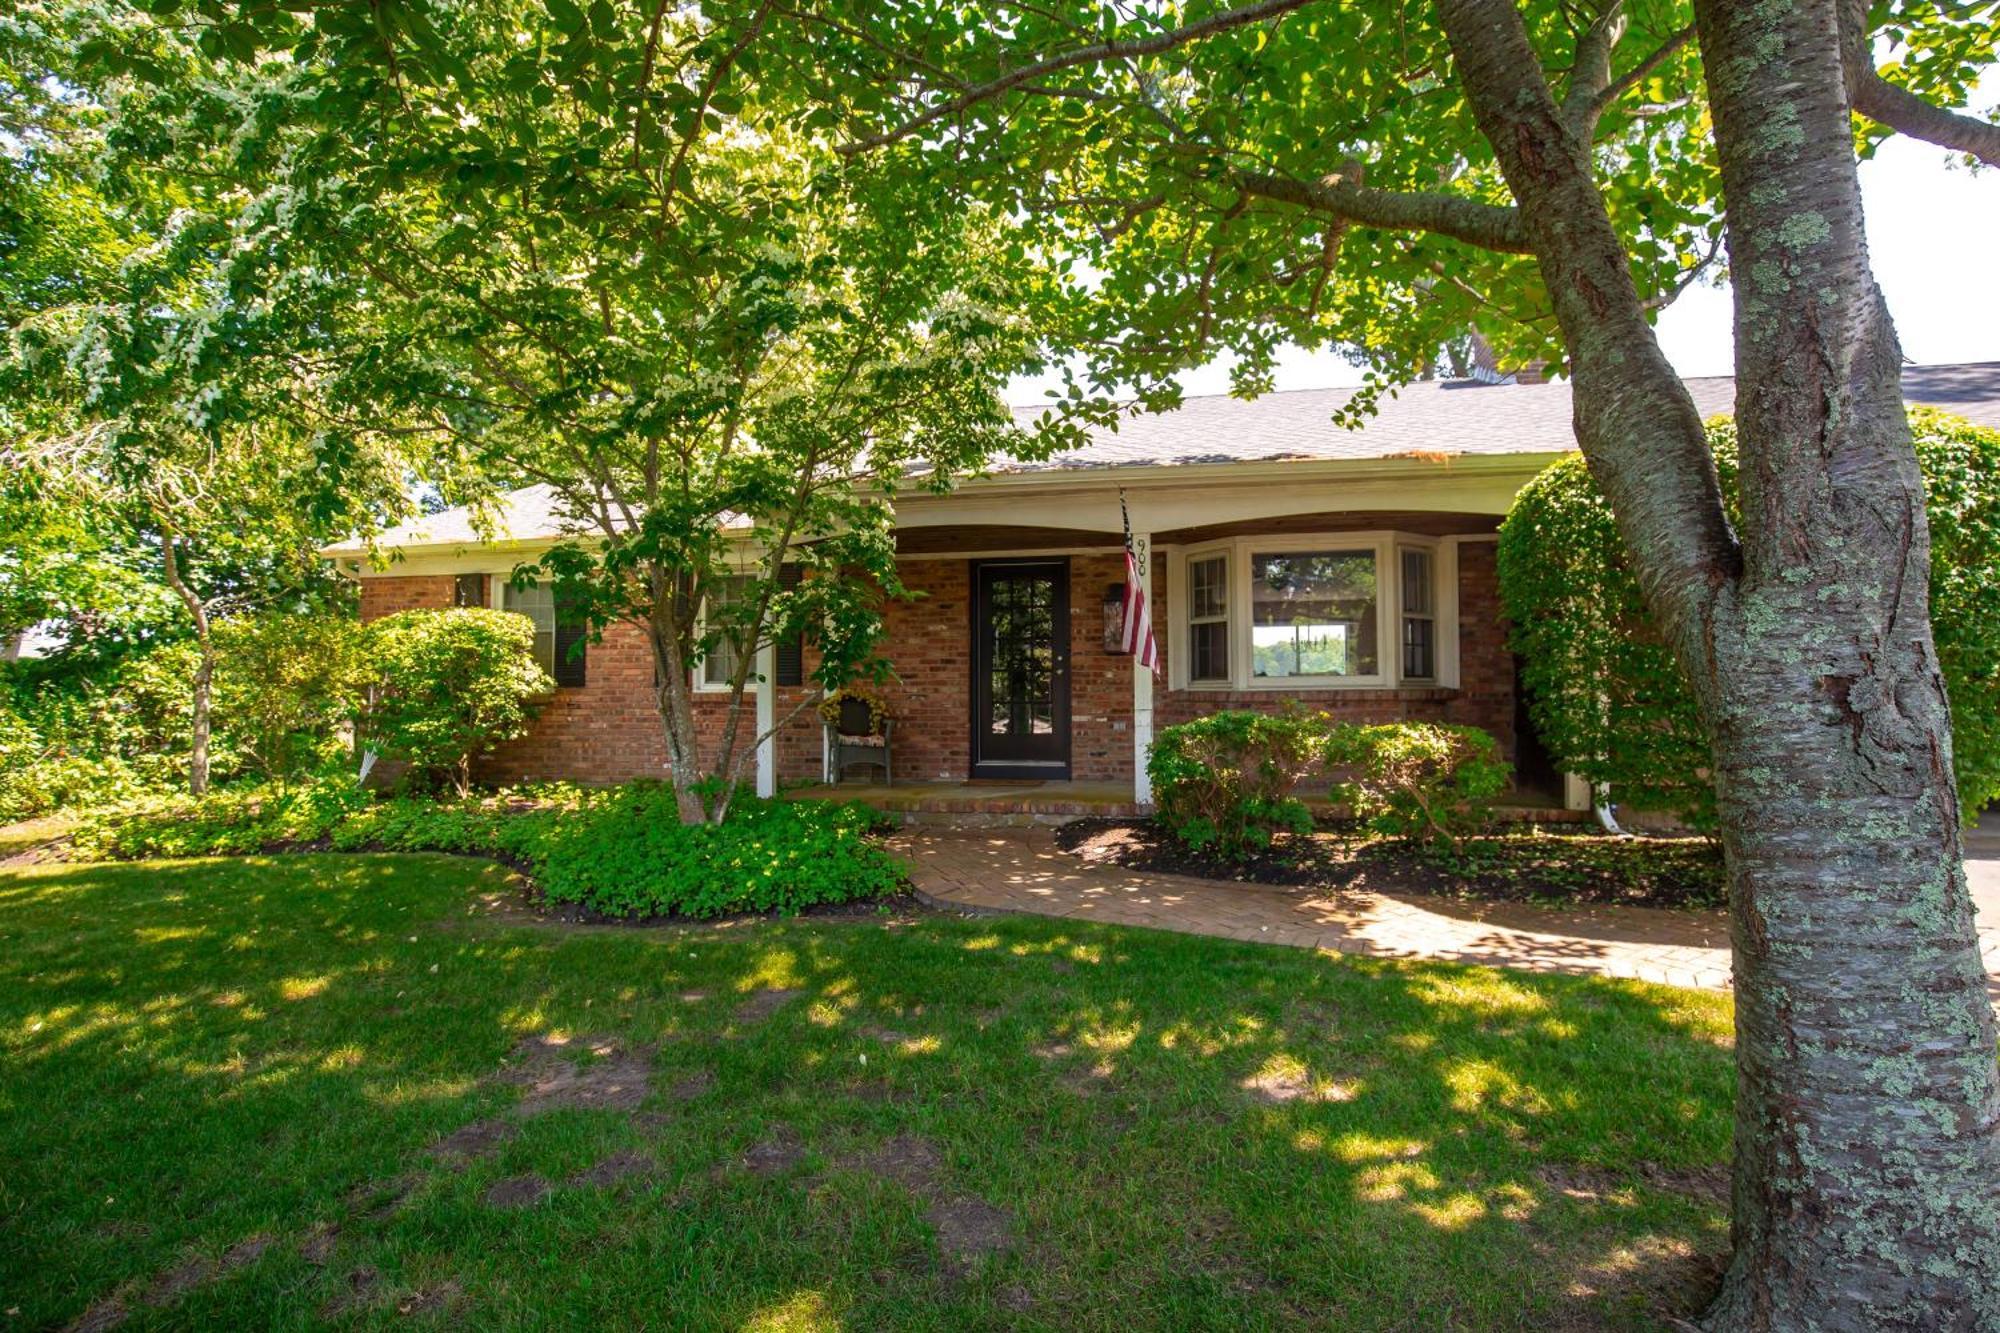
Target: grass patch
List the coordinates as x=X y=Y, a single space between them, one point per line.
x=280 y=1092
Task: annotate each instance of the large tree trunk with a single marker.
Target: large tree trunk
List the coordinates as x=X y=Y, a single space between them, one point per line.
x=1867 y=1190
x=204 y=673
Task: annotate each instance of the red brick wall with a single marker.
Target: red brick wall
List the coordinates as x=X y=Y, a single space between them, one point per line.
x=928 y=643
x=386 y=594
x=1485 y=667
x=1100 y=683
x=605 y=730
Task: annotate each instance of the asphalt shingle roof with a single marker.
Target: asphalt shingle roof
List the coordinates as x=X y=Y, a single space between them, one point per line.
x=1439 y=417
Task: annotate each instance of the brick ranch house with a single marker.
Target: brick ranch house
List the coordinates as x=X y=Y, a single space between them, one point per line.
x=1290 y=559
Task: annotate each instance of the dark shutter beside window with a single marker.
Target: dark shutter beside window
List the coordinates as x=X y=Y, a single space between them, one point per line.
x=571 y=631
x=790 y=654
x=469 y=590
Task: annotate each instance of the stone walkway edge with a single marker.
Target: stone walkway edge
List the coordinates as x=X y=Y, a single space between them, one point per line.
x=1023 y=871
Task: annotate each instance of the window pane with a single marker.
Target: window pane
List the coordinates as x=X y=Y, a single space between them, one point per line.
x=1208 y=655
x=537 y=603
x=1417 y=591
x=1417 y=656
x=1312 y=613
x=719 y=667
x=1208 y=593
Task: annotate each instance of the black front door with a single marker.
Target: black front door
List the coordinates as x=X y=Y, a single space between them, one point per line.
x=1020 y=669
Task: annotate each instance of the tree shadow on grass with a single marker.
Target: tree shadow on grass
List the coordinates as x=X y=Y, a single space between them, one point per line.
x=1019 y=1123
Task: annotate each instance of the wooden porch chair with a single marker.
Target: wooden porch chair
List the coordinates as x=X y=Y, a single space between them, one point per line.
x=854 y=740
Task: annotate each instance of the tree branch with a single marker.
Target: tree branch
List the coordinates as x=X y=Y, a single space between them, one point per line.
x=1634 y=419
x=1488 y=226
x=1583 y=118
x=1591 y=72
x=1906 y=113
x=1086 y=55
x=1901 y=110
x=669 y=184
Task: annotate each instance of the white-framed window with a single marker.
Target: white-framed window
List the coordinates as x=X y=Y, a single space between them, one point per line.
x=1208 y=617
x=1419 y=589
x=718 y=668
x=538 y=603
x=561 y=635
x=1316 y=611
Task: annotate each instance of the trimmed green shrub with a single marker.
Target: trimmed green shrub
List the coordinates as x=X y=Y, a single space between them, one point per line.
x=1422 y=781
x=1607 y=699
x=1609 y=702
x=618 y=852
x=448 y=686
x=1224 y=782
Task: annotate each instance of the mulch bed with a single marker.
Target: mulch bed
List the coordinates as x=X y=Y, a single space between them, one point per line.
x=1509 y=866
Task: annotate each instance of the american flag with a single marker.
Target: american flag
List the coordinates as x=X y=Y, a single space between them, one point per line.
x=1138 y=627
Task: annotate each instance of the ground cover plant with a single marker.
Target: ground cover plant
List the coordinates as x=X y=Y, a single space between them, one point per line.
x=1513 y=863
x=314 y=1089
x=615 y=852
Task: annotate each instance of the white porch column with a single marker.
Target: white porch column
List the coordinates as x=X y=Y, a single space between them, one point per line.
x=767 y=717
x=1142 y=681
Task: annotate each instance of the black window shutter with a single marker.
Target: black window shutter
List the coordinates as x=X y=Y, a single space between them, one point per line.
x=790 y=654
x=571 y=631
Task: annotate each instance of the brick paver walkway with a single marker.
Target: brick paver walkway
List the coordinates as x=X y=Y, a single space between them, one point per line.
x=1022 y=870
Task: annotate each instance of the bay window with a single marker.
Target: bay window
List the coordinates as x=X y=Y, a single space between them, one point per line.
x=1352 y=610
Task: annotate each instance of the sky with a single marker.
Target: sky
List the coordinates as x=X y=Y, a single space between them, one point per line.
x=1932 y=227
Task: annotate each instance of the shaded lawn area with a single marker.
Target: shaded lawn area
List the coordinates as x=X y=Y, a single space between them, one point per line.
x=289 y=1091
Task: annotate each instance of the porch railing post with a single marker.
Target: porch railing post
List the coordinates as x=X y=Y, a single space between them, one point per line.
x=1142 y=680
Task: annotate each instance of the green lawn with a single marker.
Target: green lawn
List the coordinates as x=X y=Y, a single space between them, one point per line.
x=223 y=1086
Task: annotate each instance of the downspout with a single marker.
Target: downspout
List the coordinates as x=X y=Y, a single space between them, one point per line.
x=1600 y=803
